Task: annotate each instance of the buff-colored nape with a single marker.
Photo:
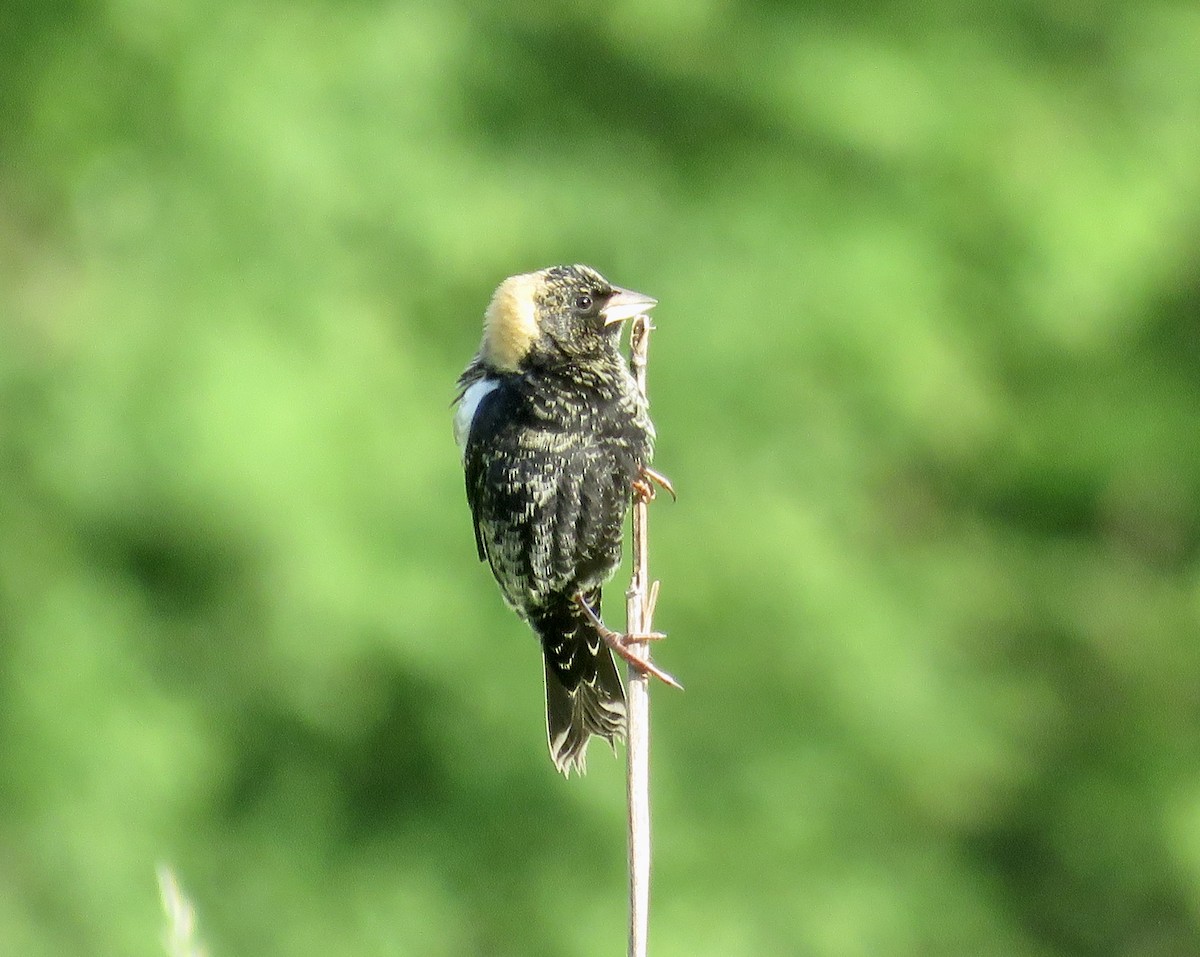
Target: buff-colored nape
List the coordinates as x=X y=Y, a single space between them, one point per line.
x=510 y=324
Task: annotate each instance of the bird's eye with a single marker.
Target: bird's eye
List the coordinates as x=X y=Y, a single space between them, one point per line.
x=583 y=302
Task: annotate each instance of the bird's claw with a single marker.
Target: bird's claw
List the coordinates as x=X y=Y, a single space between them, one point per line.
x=643 y=485
x=620 y=643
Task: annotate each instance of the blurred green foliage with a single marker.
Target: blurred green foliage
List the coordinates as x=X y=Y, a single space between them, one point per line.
x=927 y=376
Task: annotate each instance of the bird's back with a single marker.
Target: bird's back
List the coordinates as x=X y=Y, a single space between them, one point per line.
x=548 y=478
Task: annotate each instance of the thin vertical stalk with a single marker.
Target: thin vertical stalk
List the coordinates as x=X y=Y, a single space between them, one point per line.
x=638 y=610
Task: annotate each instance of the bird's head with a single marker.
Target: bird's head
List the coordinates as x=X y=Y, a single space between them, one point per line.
x=557 y=315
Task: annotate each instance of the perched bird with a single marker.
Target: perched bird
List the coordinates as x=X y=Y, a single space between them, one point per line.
x=554 y=434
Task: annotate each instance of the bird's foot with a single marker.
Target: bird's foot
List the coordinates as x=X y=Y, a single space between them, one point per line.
x=643 y=485
x=620 y=643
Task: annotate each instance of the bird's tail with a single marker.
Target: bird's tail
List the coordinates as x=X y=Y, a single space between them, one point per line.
x=584 y=695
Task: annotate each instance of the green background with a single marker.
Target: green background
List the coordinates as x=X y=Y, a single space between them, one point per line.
x=926 y=374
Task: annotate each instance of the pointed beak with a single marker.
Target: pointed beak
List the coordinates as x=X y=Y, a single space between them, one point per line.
x=625 y=304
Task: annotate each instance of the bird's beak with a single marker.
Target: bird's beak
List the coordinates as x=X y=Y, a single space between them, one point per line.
x=625 y=304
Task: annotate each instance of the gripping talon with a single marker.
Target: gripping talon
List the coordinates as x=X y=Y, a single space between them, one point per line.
x=619 y=643
x=649 y=476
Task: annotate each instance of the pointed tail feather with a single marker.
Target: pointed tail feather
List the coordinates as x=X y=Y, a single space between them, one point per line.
x=584 y=694
x=572 y=717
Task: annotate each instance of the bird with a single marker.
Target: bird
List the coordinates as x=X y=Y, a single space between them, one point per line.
x=555 y=436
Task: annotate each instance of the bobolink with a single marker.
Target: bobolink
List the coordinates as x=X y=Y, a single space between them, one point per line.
x=554 y=434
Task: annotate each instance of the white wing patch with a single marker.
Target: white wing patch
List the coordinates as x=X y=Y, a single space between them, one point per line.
x=464 y=415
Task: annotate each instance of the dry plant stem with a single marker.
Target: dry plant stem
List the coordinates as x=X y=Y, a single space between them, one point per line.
x=180 y=939
x=638 y=608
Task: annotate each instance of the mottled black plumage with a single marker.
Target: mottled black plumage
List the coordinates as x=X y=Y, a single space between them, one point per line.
x=554 y=431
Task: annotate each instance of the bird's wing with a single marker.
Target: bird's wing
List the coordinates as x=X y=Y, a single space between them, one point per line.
x=475 y=454
x=466 y=407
